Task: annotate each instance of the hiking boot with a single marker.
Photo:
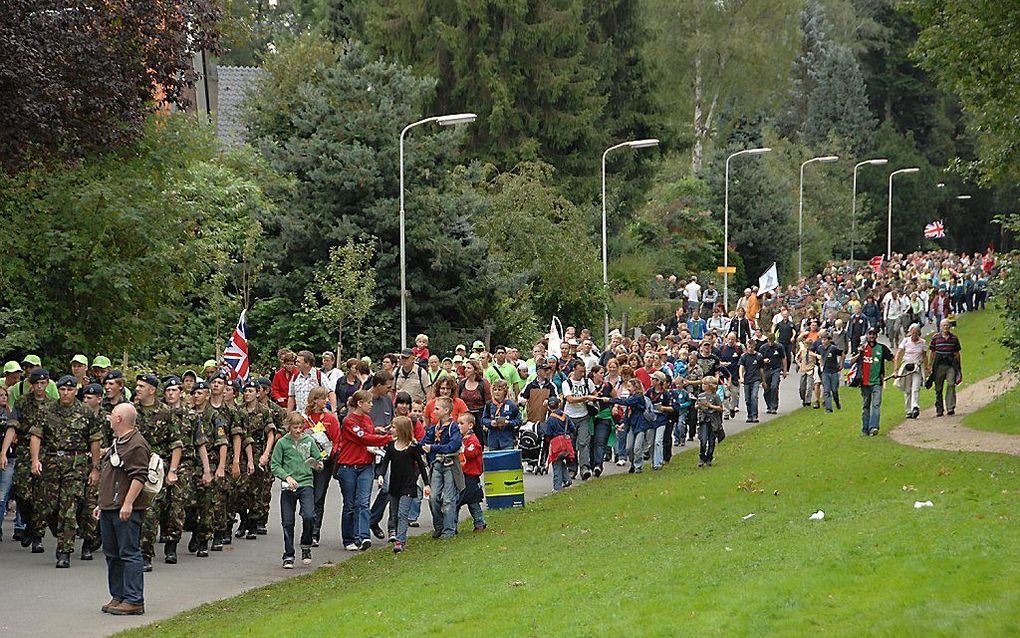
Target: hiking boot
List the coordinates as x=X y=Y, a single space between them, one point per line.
x=217 y=543
x=37 y=546
x=193 y=544
x=306 y=556
x=63 y=560
x=202 y=550
x=146 y=564
x=86 y=551
x=250 y=535
x=170 y=553
x=126 y=609
x=113 y=603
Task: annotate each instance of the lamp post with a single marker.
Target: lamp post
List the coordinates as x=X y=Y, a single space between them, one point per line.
x=726 y=221
x=442 y=120
x=853 y=210
x=645 y=143
x=888 y=240
x=800 y=216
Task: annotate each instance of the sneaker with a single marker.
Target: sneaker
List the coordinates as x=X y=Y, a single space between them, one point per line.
x=748 y=420
x=828 y=410
x=413 y=524
x=306 y=556
x=288 y=562
x=621 y=462
x=816 y=406
x=392 y=538
x=585 y=474
x=365 y=544
x=598 y=472
x=708 y=463
x=261 y=530
x=239 y=533
x=217 y=544
x=873 y=432
x=315 y=542
x=701 y=464
x=951 y=412
x=631 y=470
x=37 y=546
x=567 y=483
x=377 y=531
x=656 y=467
x=437 y=533
x=398 y=547
x=683 y=443
x=351 y=547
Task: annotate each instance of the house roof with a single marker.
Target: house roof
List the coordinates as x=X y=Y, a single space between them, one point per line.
x=234 y=83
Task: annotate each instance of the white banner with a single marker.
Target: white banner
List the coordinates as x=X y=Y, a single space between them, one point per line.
x=769 y=280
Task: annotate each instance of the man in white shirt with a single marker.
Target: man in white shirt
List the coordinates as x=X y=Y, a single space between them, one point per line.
x=692 y=291
x=897 y=309
x=577 y=391
x=305 y=378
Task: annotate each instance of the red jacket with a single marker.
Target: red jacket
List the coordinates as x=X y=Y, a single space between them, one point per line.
x=356 y=434
x=328 y=421
x=281 y=387
x=417 y=429
x=472 y=456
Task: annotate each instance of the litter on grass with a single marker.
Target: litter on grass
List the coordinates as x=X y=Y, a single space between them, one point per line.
x=817 y=516
x=919 y=504
x=749 y=516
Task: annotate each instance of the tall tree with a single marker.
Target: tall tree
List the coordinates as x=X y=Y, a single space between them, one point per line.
x=80 y=77
x=342 y=294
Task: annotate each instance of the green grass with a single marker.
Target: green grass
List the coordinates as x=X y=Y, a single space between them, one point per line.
x=668 y=553
x=1001 y=415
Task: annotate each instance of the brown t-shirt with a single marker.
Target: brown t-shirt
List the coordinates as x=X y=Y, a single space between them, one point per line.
x=114 y=482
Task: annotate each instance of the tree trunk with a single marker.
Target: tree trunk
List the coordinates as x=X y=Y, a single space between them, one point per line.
x=339 y=343
x=697 y=150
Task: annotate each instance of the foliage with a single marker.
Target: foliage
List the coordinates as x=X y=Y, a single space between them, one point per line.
x=79 y=77
x=970 y=49
x=343 y=292
x=112 y=251
x=1007 y=289
x=253 y=29
x=332 y=119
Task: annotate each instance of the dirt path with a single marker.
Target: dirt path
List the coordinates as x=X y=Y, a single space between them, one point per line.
x=948 y=432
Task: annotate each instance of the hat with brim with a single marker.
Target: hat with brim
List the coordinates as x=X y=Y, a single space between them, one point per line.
x=101 y=362
x=478 y=345
x=660 y=377
x=32 y=359
x=211 y=363
x=458 y=359
x=11 y=367
x=80 y=359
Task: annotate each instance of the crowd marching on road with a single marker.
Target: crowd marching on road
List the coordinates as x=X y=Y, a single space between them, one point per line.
x=75 y=446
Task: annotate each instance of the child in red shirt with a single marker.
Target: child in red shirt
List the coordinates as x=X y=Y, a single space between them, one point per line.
x=471 y=461
x=417 y=433
x=421 y=350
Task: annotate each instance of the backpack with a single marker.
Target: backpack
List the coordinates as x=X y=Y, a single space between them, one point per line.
x=649 y=412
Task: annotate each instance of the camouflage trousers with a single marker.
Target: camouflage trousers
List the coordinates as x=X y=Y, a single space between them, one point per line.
x=60 y=494
x=200 y=512
x=253 y=496
x=88 y=527
x=24 y=491
x=167 y=512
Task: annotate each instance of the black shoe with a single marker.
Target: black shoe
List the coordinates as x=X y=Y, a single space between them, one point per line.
x=37 y=546
x=916 y=412
x=598 y=472
x=951 y=412
x=170 y=553
x=938 y=413
x=239 y=533
x=19 y=537
x=838 y=405
x=146 y=564
x=251 y=535
x=86 y=551
x=261 y=530
x=413 y=524
x=225 y=537
x=202 y=551
x=63 y=560
x=437 y=533
x=217 y=544
x=162 y=539
x=193 y=544
x=315 y=541
x=365 y=544
x=377 y=531
x=585 y=474
x=631 y=470
x=306 y=556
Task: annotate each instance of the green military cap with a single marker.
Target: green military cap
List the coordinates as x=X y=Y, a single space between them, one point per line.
x=80 y=358
x=32 y=359
x=101 y=362
x=11 y=367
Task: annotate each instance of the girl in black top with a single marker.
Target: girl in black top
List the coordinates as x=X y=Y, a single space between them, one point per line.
x=406 y=465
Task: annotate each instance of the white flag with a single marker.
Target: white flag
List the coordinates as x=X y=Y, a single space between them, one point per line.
x=769 y=280
x=555 y=340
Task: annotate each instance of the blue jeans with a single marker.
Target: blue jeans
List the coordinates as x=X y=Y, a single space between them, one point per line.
x=751 y=387
x=289 y=500
x=414 y=511
x=603 y=427
x=123 y=549
x=621 y=442
x=402 y=506
x=706 y=436
x=680 y=429
x=356 y=489
x=559 y=475
x=660 y=435
x=636 y=444
x=830 y=388
x=6 y=483
x=871 y=408
x=443 y=501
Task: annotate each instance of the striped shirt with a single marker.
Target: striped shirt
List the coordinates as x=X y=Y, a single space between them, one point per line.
x=943 y=346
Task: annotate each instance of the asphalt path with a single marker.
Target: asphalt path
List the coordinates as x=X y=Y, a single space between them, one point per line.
x=40 y=600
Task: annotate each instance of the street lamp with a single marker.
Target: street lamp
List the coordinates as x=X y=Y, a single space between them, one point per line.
x=853 y=210
x=726 y=221
x=442 y=120
x=646 y=143
x=800 y=223
x=963 y=197
x=888 y=244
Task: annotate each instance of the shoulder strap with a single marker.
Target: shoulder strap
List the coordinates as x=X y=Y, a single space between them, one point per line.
x=498 y=373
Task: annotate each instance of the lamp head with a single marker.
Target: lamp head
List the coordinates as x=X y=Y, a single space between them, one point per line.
x=646 y=143
x=458 y=118
x=829 y=158
x=759 y=151
x=877 y=161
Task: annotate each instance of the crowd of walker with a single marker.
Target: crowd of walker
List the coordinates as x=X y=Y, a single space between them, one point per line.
x=76 y=448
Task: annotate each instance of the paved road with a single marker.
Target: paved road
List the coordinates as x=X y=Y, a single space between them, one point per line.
x=48 y=602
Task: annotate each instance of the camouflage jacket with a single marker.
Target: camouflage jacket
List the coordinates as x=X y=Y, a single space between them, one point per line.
x=68 y=428
x=258 y=424
x=159 y=427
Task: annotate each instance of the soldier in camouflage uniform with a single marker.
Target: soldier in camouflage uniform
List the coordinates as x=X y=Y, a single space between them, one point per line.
x=265 y=399
x=116 y=393
x=157 y=425
x=208 y=495
x=181 y=480
x=27 y=409
x=88 y=528
x=253 y=506
x=227 y=485
x=65 y=455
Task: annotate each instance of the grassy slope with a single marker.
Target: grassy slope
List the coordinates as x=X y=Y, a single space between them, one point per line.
x=1001 y=415
x=669 y=554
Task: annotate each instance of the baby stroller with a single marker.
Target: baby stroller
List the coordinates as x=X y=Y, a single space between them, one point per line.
x=534 y=450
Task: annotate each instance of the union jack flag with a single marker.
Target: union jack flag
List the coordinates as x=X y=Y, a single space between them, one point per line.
x=235 y=355
x=935 y=230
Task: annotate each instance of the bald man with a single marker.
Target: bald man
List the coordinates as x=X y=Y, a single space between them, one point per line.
x=121 y=510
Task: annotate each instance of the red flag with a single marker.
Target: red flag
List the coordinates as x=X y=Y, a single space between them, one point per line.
x=235 y=355
x=876 y=262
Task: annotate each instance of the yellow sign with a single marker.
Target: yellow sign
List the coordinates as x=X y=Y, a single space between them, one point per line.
x=727 y=269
